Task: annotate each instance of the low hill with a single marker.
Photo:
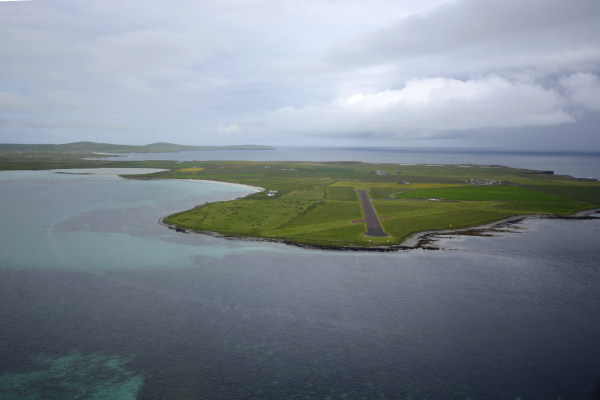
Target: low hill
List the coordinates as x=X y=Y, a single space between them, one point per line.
x=92 y=147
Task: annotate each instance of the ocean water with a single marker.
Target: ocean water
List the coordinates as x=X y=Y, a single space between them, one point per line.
x=101 y=302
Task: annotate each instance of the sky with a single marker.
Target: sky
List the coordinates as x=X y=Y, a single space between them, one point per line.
x=510 y=74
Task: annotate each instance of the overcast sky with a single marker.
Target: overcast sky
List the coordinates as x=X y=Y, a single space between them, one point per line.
x=486 y=73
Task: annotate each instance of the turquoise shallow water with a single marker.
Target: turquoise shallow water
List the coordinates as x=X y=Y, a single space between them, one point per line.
x=99 y=301
x=100 y=221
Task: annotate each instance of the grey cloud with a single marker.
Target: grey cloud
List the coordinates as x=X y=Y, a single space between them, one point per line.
x=493 y=27
x=583 y=90
x=15 y=101
x=533 y=40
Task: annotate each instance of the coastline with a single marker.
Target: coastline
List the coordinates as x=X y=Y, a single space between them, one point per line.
x=418 y=240
x=257 y=188
x=379 y=249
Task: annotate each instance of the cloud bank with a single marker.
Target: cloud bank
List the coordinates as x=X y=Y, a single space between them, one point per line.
x=430 y=106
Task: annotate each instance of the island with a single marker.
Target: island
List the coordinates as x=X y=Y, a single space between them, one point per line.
x=362 y=206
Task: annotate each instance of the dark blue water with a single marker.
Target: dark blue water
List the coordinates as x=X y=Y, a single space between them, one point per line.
x=580 y=164
x=124 y=308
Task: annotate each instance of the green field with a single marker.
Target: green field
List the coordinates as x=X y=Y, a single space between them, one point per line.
x=317 y=203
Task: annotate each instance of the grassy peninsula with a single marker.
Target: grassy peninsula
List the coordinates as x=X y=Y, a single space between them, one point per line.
x=318 y=203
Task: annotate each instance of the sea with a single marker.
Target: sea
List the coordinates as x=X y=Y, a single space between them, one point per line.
x=99 y=301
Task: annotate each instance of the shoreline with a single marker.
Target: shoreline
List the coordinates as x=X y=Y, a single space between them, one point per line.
x=418 y=240
x=257 y=188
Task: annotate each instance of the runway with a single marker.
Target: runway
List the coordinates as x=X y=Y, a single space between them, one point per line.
x=373 y=226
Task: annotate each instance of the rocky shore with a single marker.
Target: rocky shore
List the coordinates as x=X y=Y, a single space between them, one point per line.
x=422 y=239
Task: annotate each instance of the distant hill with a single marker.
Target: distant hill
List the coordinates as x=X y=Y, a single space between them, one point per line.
x=92 y=147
